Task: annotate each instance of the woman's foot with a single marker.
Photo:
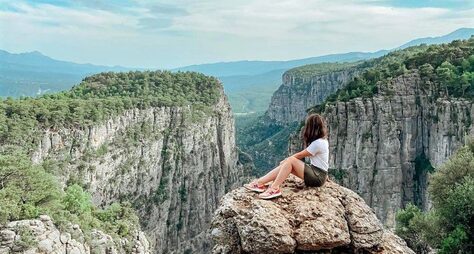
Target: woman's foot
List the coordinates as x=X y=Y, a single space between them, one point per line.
x=270 y=193
x=254 y=186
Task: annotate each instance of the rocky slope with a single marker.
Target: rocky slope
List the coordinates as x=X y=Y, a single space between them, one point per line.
x=383 y=147
x=300 y=92
x=42 y=236
x=172 y=163
x=329 y=219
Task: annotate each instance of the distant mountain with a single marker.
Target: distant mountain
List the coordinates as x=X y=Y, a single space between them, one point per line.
x=240 y=68
x=249 y=84
x=32 y=73
x=223 y=69
x=460 y=34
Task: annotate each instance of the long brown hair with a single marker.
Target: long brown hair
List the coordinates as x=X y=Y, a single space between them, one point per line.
x=314 y=128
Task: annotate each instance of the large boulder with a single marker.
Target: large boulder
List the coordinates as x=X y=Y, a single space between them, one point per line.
x=329 y=219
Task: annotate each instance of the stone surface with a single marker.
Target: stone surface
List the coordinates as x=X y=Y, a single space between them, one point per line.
x=290 y=102
x=172 y=163
x=42 y=236
x=311 y=220
x=376 y=142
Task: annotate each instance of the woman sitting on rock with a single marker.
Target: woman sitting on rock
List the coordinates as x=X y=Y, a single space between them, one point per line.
x=314 y=135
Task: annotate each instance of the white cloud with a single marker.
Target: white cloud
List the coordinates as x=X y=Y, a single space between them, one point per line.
x=183 y=32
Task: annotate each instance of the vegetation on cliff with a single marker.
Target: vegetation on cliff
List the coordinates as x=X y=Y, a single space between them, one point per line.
x=311 y=70
x=28 y=190
x=100 y=97
x=449 y=225
x=448 y=67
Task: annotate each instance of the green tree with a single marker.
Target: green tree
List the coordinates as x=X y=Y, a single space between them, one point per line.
x=449 y=226
x=76 y=200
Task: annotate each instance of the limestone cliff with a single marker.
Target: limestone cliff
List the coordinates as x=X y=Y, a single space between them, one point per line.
x=300 y=92
x=383 y=147
x=172 y=163
x=42 y=236
x=329 y=219
x=266 y=138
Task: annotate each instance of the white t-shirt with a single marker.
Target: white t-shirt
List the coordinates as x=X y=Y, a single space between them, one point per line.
x=320 y=151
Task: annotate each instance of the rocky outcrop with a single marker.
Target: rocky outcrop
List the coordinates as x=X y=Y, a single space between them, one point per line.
x=383 y=147
x=172 y=163
x=42 y=236
x=298 y=93
x=329 y=219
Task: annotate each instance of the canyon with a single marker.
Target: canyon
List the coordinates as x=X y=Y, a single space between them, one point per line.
x=173 y=168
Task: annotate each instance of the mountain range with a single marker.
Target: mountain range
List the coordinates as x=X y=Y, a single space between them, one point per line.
x=249 y=84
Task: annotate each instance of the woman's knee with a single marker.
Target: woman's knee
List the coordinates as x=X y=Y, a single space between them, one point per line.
x=292 y=160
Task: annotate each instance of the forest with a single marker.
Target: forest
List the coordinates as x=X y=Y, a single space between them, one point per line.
x=449 y=67
x=28 y=190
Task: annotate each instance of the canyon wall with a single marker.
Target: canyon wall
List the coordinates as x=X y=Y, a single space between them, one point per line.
x=298 y=93
x=172 y=163
x=383 y=147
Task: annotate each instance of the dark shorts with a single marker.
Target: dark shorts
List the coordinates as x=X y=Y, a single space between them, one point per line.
x=314 y=176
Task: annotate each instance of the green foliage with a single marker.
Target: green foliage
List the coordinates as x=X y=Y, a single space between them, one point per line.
x=102 y=150
x=263 y=139
x=449 y=226
x=27 y=190
x=27 y=239
x=448 y=68
x=76 y=200
x=310 y=70
x=99 y=97
x=452 y=243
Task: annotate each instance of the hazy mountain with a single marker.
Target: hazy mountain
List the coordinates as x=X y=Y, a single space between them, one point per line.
x=32 y=73
x=249 y=84
x=222 y=69
x=460 y=34
x=258 y=67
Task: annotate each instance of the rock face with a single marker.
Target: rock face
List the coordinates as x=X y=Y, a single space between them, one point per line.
x=329 y=219
x=41 y=236
x=383 y=147
x=172 y=163
x=290 y=102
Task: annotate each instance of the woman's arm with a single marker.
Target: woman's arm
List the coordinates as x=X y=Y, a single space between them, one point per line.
x=300 y=155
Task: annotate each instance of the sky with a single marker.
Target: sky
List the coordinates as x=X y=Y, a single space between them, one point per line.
x=172 y=33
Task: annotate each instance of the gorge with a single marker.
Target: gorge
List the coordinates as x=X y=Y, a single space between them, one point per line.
x=171 y=162
x=124 y=155
x=392 y=121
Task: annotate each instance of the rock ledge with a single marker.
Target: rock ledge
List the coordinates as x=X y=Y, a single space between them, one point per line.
x=330 y=219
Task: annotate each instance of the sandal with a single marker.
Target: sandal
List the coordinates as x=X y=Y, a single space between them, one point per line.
x=270 y=193
x=253 y=186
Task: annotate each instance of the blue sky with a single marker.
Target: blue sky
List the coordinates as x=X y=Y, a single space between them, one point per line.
x=166 y=34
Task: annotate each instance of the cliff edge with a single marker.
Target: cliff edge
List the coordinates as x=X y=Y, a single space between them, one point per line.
x=329 y=219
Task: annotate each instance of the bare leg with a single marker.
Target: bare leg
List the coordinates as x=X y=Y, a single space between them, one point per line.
x=291 y=165
x=270 y=176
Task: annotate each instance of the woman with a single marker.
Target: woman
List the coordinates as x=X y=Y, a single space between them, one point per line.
x=314 y=135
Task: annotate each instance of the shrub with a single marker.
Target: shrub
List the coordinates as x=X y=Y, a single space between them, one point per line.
x=448 y=226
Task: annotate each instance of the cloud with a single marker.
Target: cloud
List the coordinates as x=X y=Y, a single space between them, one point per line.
x=171 y=33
